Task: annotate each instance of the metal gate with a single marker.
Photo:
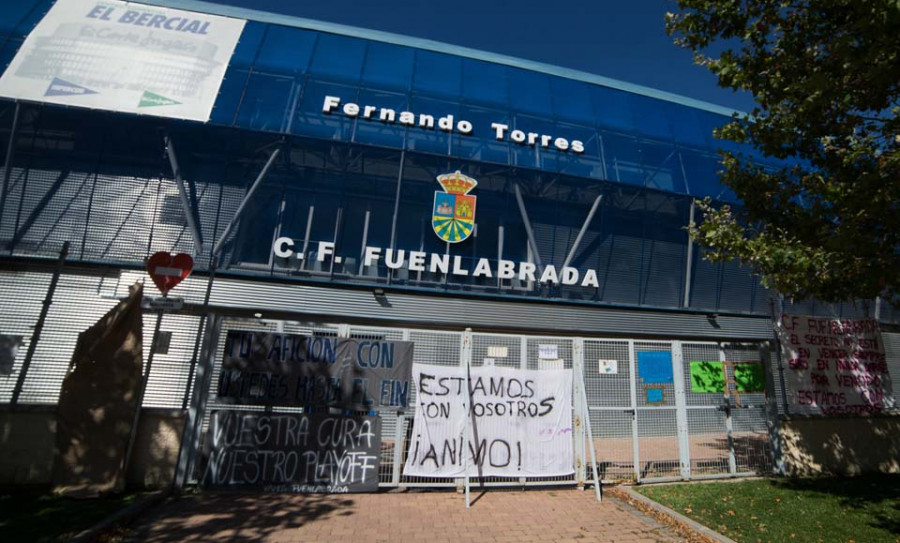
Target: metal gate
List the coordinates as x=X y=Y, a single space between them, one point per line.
x=644 y=428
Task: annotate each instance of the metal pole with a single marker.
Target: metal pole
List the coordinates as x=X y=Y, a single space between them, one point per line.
x=140 y=400
x=689 y=265
x=182 y=194
x=578 y=435
x=581 y=232
x=467 y=359
x=397 y=198
x=262 y=175
x=194 y=418
x=776 y=322
x=7 y=164
x=586 y=417
x=635 y=437
x=39 y=325
x=527 y=223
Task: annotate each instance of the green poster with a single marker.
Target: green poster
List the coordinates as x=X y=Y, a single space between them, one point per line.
x=706 y=376
x=750 y=377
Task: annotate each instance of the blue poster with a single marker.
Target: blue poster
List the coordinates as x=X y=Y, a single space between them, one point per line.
x=655 y=395
x=655 y=367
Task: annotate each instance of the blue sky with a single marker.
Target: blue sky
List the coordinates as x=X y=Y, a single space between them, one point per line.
x=624 y=40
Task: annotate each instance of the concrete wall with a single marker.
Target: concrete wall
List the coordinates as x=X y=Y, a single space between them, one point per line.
x=28 y=441
x=850 y=446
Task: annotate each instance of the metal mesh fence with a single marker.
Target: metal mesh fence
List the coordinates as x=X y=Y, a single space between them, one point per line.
x=635 y=433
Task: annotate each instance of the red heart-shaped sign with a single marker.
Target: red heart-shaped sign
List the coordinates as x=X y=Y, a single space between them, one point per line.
x=167 y=270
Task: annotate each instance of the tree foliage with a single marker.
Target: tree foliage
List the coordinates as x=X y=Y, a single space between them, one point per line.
x=824 y=221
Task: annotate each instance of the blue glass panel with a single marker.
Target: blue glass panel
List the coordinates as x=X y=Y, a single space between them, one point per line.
x=693 y=127
x=338 y=57
x=21 y=16
x=438 y=75
x=8 y=51
x=12 y=13
x=651 y=117
x=623 y=158
x=248 y=45
x=484 y=82
x=266 y=102
x=702 y=176
x=252 y=243
x=482 y=144
x=388 y=66
x=229 y=96
x=529 y=92
x=431 y=140
x=311 y=121
x=285 y=50
x=586 y=164
x=375 y=131
x=661 y=167
x=613 y=108
x=531 y=151
x=572 y=100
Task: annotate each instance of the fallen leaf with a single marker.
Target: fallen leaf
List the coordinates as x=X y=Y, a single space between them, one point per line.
x=730 y=512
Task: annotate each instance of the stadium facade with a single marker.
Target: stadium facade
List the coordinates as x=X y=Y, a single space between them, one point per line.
x=408 y=190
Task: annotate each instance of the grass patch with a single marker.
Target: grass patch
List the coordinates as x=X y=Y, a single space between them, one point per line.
x=860 y=509
x=44 y=518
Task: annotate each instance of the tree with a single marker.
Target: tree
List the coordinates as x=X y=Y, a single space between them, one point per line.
x=823 y=222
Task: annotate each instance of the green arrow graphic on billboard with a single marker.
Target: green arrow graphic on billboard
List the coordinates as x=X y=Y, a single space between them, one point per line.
x=150 y=99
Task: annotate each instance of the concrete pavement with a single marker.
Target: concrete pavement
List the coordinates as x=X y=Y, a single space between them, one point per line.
x=497 y=516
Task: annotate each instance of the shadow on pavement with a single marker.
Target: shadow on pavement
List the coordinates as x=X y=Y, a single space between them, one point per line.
x=241 y=516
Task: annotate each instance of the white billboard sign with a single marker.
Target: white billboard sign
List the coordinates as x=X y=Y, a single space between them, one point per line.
x=519 y=423
x=834 y=366
x=127 y=57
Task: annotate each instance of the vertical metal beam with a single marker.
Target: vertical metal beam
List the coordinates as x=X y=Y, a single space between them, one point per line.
x=776 y=321
x=523 y=352
x=143 y=390
x=772 y=425
x=527 y=223
x=365 y=240
x=467 y=360
x=681 y=413
x=399 y=434
x=689 y=264
x=259 y=179
x=581 y=232
x=500 y=234
x=729 y=422
x=7 y=163
x=309 y=221
x=39 y=324
x=335 y=259
x=590 y=436
x=580 y=407
x=397 y=198
x=193 y=422
x=183 y=196
x=635 y=436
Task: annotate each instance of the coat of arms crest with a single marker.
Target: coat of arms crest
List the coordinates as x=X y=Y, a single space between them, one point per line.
x=454 y=209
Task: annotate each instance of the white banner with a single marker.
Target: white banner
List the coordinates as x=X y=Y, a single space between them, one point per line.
x=834 y=366
x=520 y=424
x=127 y=57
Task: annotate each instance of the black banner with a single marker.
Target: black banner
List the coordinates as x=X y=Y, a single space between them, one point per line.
x=286 y=452
x=315 y=371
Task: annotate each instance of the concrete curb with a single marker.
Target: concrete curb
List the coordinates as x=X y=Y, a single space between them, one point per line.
x=122 y=515
x=692 y=524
